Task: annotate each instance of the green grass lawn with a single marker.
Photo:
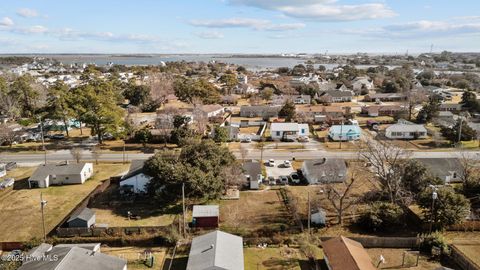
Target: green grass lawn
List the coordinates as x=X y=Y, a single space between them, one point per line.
x=20 y=218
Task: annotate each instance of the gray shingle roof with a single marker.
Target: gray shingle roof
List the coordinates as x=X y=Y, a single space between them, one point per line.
x=205 y=211
x=406 y=128
x=84 y=214
x=43 y=171
x=216 y=250
x=326 y=170
x=441 y=167
x=252 y=168
x=75 y=258
x=136 y=167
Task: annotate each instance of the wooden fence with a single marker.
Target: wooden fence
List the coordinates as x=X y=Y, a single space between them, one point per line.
x=385 y=242
x=463 y=261
x=471 y=225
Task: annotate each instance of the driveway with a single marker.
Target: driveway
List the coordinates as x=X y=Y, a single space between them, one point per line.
x=278 y=170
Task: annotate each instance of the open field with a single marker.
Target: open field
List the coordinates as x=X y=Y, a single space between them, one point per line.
x=20 y=218
x=253 y=211
x=135 y=256
x=394 y=258
x=275 y=259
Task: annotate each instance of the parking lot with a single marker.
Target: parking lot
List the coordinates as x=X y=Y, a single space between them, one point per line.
x=278 y=170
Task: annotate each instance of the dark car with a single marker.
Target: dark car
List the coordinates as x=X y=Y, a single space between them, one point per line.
x=59 y=136
x=295 y=178
x=10 y=166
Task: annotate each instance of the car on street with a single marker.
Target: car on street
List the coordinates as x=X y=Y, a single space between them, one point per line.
x=303 y=139
x=287 y=164
x=58 y=136
x=271 y=163
x=246 y=140
x=10 y=166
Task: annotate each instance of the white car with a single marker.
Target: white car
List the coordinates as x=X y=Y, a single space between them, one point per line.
x=287 y=164
x=271 y=163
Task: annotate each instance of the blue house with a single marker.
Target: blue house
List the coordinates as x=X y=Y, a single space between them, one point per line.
x=344 y=132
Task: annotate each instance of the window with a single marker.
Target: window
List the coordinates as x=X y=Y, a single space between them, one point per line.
x=278 y=133
x=303 y=131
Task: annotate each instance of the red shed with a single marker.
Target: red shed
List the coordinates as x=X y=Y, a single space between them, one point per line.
x=205 y=216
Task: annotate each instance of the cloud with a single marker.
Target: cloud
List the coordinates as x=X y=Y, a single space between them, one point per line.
x=322 y=10
x=6 y=21
x=416 y=29
x=27 y=13
x=210 y=35
x=36 y=29
x=256 y=24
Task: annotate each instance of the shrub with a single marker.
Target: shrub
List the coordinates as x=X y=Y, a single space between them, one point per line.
x=382 y=216
x=434 y=240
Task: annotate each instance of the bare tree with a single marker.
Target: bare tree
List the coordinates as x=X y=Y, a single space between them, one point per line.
x=7 y=134
x=233 y=176
x=386 y=162
x=339 y=193
x=469 y=169
x=164 y=122
x=255 y=100
x=200 y=119
x=414 y=98
x=161 y=85
x=76 y=153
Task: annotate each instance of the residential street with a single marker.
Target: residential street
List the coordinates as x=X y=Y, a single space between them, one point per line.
x=251 y=153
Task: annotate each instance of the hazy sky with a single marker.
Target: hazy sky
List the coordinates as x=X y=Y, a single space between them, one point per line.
x=238 y=26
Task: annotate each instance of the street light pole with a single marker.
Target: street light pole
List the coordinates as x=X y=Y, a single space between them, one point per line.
x=434 y=197
x=42 y=206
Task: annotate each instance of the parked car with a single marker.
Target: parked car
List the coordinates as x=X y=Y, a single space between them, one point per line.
x=283 y=180
x=271 y=162
x=10 y=166
x=271 y=180
x=287 y=164
x=303 y=139
x=246 y=140
x=58 y=136
x=7 y=183
x=295 y=178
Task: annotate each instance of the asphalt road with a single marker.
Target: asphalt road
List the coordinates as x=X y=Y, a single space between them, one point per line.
x=277 y=154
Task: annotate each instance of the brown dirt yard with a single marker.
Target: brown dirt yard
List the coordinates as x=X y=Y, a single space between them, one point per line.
x=394 y=257
x=254 y=210
x=20 y=218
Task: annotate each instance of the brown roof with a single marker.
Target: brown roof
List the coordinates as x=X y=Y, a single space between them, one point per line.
x=345 y=254
x=320 y=108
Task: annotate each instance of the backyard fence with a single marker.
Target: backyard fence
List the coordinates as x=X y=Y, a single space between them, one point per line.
x=385 y=242
x=471 y=225
x=463 y=261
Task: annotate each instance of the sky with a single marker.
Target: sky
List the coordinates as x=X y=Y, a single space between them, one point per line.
x=238 y=26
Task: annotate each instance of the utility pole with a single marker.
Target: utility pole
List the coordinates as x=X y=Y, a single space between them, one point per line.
x=341 y=134
x=184 y=218
x=42 y=206
x=123 y=152
x=43 y=141
x=309 y=213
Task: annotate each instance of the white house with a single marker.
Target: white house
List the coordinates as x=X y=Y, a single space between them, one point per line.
x=289 y=131
x=360 y=83
x=405 y=131
x=135 y=180
x=60 y=174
